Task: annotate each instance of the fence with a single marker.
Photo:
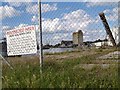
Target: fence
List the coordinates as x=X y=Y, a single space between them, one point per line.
x=61 y=20
x=70 y=31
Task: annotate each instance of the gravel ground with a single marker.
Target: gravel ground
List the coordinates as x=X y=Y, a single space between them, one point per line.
x=91 y=66
x=111 y=55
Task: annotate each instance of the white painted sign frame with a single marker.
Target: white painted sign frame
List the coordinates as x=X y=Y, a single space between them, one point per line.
x=21 y=41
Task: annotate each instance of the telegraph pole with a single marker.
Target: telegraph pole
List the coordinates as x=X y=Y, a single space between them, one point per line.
x=40 y=35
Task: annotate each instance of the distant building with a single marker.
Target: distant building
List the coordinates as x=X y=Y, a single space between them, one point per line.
x=116 y=35
x=66 y=43
x=78 y=38
x=88 y=44
x=99 y=43
x=3 y=47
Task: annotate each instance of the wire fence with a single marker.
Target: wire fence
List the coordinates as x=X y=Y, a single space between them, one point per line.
x=58 y=28
x=66 y=27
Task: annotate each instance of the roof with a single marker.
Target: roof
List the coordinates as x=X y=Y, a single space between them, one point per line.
x=96 y=41
x=79 y=31
x=100 y=40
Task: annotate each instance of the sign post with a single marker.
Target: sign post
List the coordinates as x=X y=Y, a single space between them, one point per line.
x=40 y=29
x=40 y=42
x=6 y=61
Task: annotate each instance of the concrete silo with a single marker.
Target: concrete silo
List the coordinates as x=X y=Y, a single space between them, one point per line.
x=78 y=38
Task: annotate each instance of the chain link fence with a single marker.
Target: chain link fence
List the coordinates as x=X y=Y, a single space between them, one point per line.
x=61 y=20
x=59 y=28
x=70 y=30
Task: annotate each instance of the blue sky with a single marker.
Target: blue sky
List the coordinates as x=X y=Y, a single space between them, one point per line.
x=61 y=19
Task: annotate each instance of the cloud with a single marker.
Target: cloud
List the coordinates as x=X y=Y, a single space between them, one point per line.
x=5 y=27
x=32 y=9
x=21 y=25
x=94 y=34
x=44 y=8
x=56 y=37
x=62 y=28
x=58 y=29
x=18 y=0
x=8 y=11
x=34 y=19
x=93 y=4
x=51 y=24
x=48 y=7
x=73 y=21
x=76 y=20
x=15 y=4
x=3 y=30
x=112 y=15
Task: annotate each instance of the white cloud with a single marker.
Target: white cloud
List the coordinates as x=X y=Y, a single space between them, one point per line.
x=73 y=21
x=94 y=34
x=32 y=9
x=92 y=4
x=106 y=11
x=48 y=7
x=57 y=37
x=65 y=0
x=8 y=11
x=15 y=4
x=18 y=0
x=112 y=15
x=50 y=24
x=58 y=29
x=21 y=25
x=76 y=20
x=44 y=8
x=3 y=30
x=5 y=27
x=34 y=19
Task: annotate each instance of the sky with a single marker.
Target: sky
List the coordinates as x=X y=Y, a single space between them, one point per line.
x=60 y=19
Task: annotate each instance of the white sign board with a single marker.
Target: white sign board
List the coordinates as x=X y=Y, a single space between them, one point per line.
x=21 y=41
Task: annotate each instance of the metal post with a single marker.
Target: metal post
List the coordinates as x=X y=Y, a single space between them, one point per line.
x=40 y=28
x=6 y=62
x=107 y=28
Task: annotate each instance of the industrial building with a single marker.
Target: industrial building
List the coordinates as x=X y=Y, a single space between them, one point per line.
x=99 y=43
x=66 y=44
x=3 y=48
x=78 y=38
x=107 y=42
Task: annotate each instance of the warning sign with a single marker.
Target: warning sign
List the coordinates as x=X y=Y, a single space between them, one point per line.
x=21 y=41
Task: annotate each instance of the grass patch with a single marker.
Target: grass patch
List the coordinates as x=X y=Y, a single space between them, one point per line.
x=62 y=74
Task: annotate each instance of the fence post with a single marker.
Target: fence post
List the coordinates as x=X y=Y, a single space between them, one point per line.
x=40 y=28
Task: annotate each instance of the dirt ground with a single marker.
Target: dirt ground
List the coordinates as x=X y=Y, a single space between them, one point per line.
x=49 y=57
x=66 y=56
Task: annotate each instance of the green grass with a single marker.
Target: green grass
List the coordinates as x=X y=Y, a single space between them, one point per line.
x=64 y=74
